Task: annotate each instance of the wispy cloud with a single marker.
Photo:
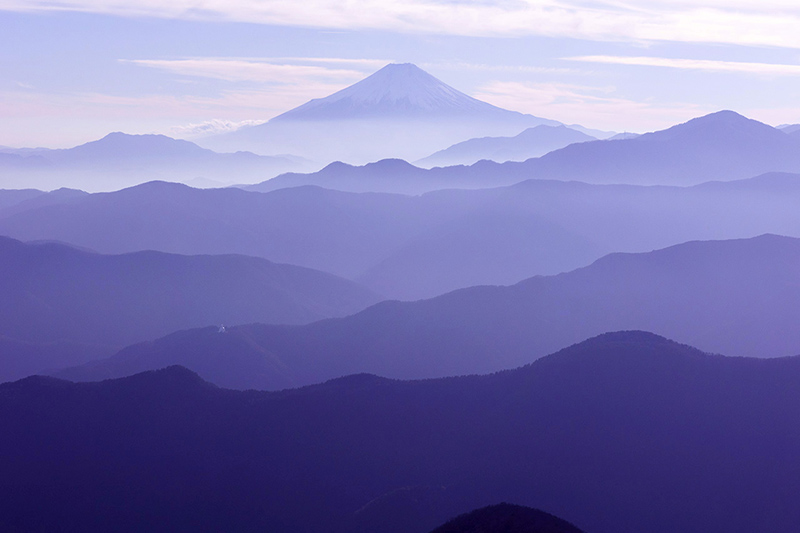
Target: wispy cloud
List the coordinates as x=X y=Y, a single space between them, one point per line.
x=592 y=106
x=696 y=64
x=506 y=69
x=231 y=69
x=767 y=22
x=210 y=127
x=61 y=120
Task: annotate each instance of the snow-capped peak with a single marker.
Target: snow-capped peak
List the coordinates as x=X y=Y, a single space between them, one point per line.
x=396 y=90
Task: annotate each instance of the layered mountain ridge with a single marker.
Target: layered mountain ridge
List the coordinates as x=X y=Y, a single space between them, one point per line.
x=593 y=434
x=61 y=300
x=121 y=160
x=738 y=297
x=722 y=146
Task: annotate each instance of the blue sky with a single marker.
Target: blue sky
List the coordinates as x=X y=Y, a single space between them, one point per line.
x=72 y=71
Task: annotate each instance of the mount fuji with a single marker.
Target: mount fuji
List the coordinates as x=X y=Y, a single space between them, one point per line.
x=397 y=91
x=400 y=111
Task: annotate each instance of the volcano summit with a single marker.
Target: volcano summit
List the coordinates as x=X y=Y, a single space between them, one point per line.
x=400 y=111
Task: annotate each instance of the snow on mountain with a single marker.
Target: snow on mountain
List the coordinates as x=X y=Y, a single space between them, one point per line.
x=400 y=112
x=395 y=91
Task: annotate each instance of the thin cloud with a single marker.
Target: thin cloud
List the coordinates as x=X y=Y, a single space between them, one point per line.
x=364 y=63
x=210 y=127
x=768 y=22
x=696 y=64
x=524 y=69
x=595 y=107
x=249 y=70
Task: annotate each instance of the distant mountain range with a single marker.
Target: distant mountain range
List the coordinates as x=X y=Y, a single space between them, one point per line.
x=789 y=128
x=625 y=433
x=120 y=160
x=400 y=111
x=56 y=297
x=345 y=234
x=533 y=142
x=20 y=200
x=739 y=297
x=721 y=146
x=417 y=247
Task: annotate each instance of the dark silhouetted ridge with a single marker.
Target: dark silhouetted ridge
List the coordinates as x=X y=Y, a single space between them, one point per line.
x=507 y=518
x=595 y=433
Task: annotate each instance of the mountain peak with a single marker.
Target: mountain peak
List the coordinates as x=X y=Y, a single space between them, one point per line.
x=722 y=122
x=118 y=144
x=398 y=90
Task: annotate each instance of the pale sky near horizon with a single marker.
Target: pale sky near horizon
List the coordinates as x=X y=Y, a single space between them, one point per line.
x=72 y=71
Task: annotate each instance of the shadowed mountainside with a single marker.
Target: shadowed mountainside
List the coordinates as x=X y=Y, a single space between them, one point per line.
x=738 y=297
x=614 y=435
x=53 y=293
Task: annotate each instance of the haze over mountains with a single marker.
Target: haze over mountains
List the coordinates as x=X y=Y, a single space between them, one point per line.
x=119 y=160
x=400 y=111
x=739 y=297
x=533 y=142
x=625 y=433
x=692 y=232
x=416 y=247
x=721 y=146
x=56 y=297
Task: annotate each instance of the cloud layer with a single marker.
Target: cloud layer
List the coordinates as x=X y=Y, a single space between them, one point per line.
x=770 y=69
x=768 y=22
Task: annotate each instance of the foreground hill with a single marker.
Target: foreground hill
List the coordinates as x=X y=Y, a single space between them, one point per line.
x=506 y=518
x=624 y=433
x=533 y=142
x=121 y=160
x=721 y=146
x=738 y=297
x=53 y=293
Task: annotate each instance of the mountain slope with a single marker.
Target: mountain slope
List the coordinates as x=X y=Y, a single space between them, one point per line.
x=624 y=433
x=533 y=142
x=54 y=293
x=399 y=91
x=719 y=146
x=399 y=111
x=738 y=297
x=12 y=197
